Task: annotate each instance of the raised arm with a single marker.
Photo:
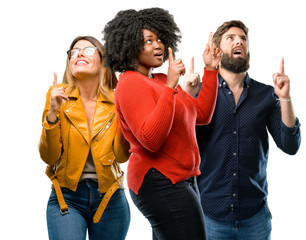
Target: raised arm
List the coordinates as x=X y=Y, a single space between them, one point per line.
x=50 y=145
x=206 y=100
x=282 y=90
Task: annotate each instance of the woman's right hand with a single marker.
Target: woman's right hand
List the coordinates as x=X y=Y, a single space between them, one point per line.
x=175 y=70
x=56 y=98
x=212 y=55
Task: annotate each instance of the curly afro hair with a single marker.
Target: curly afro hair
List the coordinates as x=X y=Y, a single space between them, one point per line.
x=123 y=36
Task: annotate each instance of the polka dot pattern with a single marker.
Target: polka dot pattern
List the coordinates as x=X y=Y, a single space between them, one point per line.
x=234 y=149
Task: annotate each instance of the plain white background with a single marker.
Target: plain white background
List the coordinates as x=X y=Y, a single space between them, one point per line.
x=35 y=36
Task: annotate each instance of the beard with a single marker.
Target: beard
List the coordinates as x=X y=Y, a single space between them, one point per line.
x=235 y=65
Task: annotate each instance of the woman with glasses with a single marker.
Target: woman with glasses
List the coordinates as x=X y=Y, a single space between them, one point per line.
x=82 y=144
x=158 y=118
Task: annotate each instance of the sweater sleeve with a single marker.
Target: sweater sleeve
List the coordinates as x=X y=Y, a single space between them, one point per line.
x=146 y=110
x=206 y=100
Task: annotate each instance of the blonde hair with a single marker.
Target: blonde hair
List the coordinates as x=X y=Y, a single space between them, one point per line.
x=107 y=79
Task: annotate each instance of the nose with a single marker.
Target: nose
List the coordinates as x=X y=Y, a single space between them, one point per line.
x=239 y=41
x=81 y=53
x=157 y=45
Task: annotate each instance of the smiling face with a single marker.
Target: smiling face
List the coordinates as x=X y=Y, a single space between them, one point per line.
x=82 y=65
x=152 y=54
x=236 y=56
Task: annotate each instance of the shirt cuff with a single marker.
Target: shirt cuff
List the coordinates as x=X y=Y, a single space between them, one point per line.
x=291 y=130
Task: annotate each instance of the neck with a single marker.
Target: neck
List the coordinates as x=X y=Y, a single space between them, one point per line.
x=145 y=71
x=233 y=80
x=88 y=88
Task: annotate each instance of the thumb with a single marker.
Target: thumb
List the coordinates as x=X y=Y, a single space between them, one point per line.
x=55 y=80
x=191 y=69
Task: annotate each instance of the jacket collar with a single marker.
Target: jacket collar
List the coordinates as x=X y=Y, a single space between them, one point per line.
x=74 y=110
x=75 y=93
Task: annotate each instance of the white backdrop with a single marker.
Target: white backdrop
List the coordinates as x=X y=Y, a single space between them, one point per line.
x=35 y=36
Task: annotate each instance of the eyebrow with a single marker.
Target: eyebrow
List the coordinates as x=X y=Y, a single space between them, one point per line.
x=148 y=36
x=83 y=47
x=231 y=35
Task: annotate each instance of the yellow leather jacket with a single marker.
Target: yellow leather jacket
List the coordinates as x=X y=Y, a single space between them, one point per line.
x=65 y=146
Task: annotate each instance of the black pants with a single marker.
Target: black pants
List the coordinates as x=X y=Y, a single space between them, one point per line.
x=174 y=210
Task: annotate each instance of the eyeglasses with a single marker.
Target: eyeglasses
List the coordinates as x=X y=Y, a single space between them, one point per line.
x=88 y=51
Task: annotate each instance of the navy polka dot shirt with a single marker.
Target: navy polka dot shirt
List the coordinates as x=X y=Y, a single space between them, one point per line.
x=234 y=149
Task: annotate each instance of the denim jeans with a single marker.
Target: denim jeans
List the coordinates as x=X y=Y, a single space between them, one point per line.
x=257 y=227
x=173 y=210
x=82 y=205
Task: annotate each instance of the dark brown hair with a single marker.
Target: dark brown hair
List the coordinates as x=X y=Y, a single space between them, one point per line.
x=225 y=27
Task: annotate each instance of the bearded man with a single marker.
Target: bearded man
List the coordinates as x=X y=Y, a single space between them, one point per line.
x=234 y=146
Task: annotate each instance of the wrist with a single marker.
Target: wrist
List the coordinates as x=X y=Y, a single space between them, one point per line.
x=52 y=121
x=52 y=117
x=210 y=68
x=171 y=85
x=287 y=99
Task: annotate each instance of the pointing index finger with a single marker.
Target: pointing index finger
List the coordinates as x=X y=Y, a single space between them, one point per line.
x=170 y=55
x=282 y=68
x=210 y=39
x=55 y=80
x=191 y=69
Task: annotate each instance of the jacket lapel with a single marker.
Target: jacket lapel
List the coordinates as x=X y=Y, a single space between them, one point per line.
x=74 y=111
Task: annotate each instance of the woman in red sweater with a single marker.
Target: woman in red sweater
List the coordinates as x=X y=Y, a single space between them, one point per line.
x=158 y=118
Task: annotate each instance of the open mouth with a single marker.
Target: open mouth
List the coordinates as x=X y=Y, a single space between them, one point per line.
x=159 y=55
x=238 y=52
x=81 y=62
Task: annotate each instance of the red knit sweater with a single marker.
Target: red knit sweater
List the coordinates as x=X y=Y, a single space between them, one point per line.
x=159 y=122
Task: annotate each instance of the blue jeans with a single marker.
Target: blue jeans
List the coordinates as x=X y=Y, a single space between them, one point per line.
x=173 y=210
x=257 y=227
x=82 y=205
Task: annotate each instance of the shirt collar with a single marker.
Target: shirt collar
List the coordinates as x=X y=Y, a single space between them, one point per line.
x=246 y=82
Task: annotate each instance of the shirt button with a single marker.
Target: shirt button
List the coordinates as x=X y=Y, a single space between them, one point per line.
x=234 y=174
x=235 y=132
x=234 y=154
x=67 y=110
x=109 y=160
x=234 y=194
x=229 y=93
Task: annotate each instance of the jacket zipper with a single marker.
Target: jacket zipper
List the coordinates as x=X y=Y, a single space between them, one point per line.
x=67 y=153
x=101 y=134
x=105 y=128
